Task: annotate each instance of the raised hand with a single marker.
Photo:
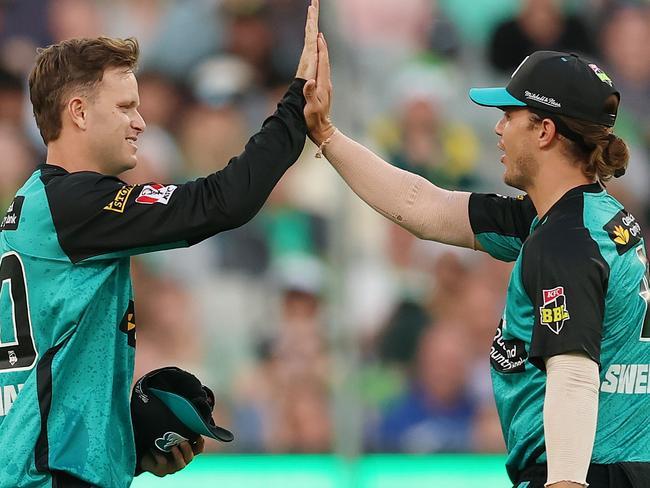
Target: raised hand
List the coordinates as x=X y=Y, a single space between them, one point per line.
x=318 y=94
x=309 y=58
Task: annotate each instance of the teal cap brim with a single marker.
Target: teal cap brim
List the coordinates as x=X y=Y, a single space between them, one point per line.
x=494 y=97
x=190 y=417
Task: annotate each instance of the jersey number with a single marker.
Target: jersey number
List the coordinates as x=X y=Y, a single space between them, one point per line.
x=645 y=293
x=19 y=354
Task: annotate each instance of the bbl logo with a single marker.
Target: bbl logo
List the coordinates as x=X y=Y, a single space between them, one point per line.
x=554 y=312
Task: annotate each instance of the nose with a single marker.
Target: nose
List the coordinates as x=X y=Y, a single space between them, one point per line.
x=138 y=122
x=498 y=128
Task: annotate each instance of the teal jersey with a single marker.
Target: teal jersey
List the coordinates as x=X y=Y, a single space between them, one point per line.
x=67 y=316
x=579 y=284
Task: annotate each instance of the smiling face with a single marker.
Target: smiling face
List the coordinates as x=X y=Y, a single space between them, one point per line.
x=517 y=140
x=113 y=121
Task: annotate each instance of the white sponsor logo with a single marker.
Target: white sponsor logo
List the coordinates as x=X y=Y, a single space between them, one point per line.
x=13 y=359
x=632 y=224
x=9 y=220
x=8 y=396
x=156 y=193
x=626 y=379
x=507 y=356
x=551 y=102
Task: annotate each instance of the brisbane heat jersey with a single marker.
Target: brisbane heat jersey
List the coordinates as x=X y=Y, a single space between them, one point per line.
x=579 y=284
x=67 y=319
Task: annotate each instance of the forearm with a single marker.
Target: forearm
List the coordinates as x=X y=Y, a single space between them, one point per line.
x=570 y=417
x=243 y=186
x=409 y=200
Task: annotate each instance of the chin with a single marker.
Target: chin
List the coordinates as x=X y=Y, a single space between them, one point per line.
x=122 y=166
x=515 y=183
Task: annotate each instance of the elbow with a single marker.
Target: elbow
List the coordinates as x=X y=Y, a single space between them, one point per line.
x=241 y=213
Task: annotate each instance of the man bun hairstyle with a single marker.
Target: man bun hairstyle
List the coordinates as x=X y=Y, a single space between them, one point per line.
x=74 y=64
x=603 y=154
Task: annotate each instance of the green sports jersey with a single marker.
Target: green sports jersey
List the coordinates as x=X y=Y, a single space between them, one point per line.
x=579 y=283
x=67 y=318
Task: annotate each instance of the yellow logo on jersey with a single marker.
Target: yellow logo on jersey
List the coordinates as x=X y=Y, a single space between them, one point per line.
x=119 y=202
x=130 y=324
x=622 y=235
x=555 y=314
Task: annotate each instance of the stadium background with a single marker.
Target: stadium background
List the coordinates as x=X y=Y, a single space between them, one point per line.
x=329 y=335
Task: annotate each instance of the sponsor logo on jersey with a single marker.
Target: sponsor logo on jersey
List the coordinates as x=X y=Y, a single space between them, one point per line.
x=119 y=202
x=13 y=359
x=602 y=76
x=156 y=193
x=127 y=325
x=8 y=395
x=624 y=230
x=507 y=355
x=12 y=218
x=554 y=312
x=626 y=379
x=169 y=440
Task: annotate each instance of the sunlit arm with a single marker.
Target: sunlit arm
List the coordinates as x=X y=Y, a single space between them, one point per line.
x=570 y=416
x=422 y=208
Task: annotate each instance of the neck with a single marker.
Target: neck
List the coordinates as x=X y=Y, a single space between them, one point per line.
x=70 y=155
x=552 y=182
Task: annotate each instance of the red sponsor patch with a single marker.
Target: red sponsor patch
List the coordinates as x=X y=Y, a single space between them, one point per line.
x=156 y=193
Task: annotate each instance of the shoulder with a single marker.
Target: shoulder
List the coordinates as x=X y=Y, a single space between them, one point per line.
x=56 y=177
x=566 y=244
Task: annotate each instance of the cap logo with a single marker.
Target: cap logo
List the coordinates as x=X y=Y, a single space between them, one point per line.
x=551 y=102
x=602 y=76
x=520 y=65
x=169 y=440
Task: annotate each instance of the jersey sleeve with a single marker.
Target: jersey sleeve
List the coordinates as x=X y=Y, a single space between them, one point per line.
x=501 y=224
x=566 y=279
x=99 y=216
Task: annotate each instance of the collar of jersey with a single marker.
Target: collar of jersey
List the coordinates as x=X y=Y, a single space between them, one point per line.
x=578 y=190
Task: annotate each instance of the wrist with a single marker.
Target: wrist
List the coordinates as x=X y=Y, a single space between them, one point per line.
x=325 y=142
x=323 y=135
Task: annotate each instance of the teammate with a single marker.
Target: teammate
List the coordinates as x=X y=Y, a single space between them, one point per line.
x=570 y=356
x=67 y=320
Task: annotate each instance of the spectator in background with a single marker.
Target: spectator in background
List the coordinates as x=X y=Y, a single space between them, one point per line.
x=624 y=39
x=540 y=25
x=251 y=37
x=624 y=42
x=435 y=413
x=12 y=98
x=18 y=162
x=282 y=402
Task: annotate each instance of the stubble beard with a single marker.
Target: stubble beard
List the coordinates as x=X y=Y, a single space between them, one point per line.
x=522 y=173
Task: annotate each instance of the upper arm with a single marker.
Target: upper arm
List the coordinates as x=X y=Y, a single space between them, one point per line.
x=566 y=279
x=96 y=215
x=500 y=224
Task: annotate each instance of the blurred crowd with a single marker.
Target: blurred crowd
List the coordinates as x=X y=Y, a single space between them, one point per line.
x=321 y=326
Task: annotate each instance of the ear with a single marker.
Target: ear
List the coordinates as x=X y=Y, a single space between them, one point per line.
x=546 y=133
x=77 y=111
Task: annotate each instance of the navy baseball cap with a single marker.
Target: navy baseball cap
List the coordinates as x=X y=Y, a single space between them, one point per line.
x=556 y=83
